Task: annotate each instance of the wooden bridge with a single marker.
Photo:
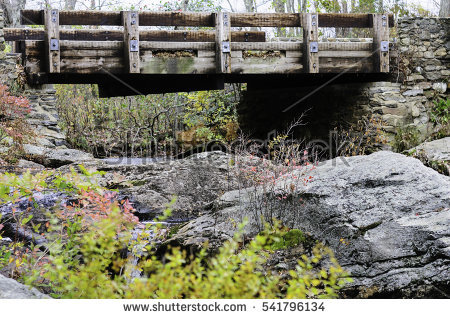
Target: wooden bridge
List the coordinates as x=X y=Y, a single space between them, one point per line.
x=124 y=53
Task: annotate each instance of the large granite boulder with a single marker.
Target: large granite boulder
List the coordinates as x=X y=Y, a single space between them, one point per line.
x=53 y=158
x=11 y=289
x=195 y=182
x=386 y=216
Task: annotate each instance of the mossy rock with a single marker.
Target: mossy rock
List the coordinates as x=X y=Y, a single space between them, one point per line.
x=292 y=238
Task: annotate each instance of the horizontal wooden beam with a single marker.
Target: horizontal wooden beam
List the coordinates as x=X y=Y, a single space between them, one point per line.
x=33 y=47
x=349 y=20
x=19 y=34
x=267 y=46
x=151 y=45
x=341 y=20
x=146 y=18
x=265 y=19
x=203 y=19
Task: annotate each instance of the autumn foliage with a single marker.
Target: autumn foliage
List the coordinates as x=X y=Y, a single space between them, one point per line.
x=13 y=111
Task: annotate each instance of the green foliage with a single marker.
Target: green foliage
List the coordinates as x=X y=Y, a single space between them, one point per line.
x=212 y=114
x=291 y=238
x=143 y=125
x=235 y=272
x=406 y=138
x=137 y=126
x=83 y=257
x=440 y=113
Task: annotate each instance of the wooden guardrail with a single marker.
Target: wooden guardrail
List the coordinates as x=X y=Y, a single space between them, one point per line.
x=220 y=51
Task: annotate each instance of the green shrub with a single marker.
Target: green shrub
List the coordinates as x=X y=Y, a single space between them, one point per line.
x=440 y=117
x=406 y=138
x=440 y=113
x=234 y=272
x=84 y=257
x=291 y=238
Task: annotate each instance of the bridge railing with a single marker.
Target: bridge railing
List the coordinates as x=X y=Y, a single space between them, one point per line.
x=133 y=50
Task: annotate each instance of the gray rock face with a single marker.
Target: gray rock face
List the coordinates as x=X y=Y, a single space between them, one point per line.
x=386 y=216
x=435 y=154
x=56 y=157
x=195 y=181
x=11 y=289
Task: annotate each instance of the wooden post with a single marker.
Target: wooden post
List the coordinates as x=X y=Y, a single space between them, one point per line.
x=52 y=44
x=223 y=42
x=380 y=42
x=310 y=23
x=130 y=20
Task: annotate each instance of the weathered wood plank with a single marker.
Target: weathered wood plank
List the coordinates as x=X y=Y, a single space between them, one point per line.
x=91 y=65
x=90 y=53
x=179 y=65
x=52 y=43
x=89 y=17
x=345 y=46
x=350 y=65
x=18 y=34
x=311 y=42
x=380 y=43
x=131 y=41
x=265 y=20
x=262 y=46
x=206 y=19
x=269 y=65
x=268 y=46
x=349 y=20
x=80 y=45
x=223 y=43
x=345 y=54
x=177 y=18
x=149 y=45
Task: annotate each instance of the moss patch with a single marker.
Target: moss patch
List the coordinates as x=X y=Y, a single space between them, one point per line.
x=292 y=238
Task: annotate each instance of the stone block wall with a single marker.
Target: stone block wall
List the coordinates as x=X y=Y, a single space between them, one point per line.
x=44 y=115
x=420 y=77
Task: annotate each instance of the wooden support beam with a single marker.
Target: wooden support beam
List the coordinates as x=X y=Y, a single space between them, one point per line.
x=202 y=19
x=265 y=19
x=380 y=43
x=148 y=18
x=131 y=41
x=52 y=43
x=223 y=42
x=348 y=20
x=310 y=23
x=19 y=34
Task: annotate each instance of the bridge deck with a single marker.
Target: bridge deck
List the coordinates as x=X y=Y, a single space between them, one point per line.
x=128 y=50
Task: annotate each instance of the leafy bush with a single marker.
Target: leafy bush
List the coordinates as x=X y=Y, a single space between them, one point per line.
x=362 y=138
x=213 y=114
x=234 y=272
x=13 y=126
x=406 y=138
x=440 y=117
x=85 y=254
x=440 y=113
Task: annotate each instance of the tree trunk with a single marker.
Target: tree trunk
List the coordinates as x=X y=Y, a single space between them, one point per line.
x=279 y=6
x=445 y=9
x=249 y=5
x=11 y=11
x=70 y=4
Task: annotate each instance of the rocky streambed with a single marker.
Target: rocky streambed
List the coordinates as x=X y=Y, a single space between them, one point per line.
x=385 y=215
